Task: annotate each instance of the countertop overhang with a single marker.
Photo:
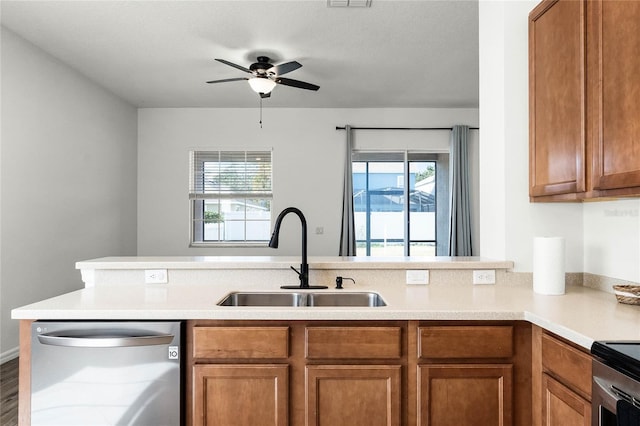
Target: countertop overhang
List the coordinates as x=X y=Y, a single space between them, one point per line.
x=284 y=262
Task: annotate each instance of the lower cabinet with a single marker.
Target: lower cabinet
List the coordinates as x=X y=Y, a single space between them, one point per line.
x=464 y=394
x=561 y=382
x=465 y=374
x=242 y=395
x=563 y=407
x=353 y=395
x=358 y=373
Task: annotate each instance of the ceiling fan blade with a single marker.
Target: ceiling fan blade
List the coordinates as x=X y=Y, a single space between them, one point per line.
x=228 y=79
x=231 y=64
x=296 y=83
x=286 y=67
x=265 y=95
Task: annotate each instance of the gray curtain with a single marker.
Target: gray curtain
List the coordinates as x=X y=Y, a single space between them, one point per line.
x=348 y=230
x=459 y=206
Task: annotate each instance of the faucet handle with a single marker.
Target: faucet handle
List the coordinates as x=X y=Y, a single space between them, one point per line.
x=295 y=270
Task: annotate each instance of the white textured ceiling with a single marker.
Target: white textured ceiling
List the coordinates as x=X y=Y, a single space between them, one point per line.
x=421 y=53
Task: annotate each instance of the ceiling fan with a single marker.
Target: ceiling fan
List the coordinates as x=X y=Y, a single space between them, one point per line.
x=266 y=75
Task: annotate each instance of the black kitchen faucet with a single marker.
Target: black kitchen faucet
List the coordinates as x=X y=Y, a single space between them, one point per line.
x=303 y=273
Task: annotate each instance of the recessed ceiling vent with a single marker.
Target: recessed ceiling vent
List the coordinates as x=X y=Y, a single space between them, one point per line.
x=349 y=3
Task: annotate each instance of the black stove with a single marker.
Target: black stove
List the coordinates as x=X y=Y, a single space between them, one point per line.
x=615 y=398
x=622 y=356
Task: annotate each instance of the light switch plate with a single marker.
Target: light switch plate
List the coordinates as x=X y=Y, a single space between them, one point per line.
x=417 y=276
x=155 y=276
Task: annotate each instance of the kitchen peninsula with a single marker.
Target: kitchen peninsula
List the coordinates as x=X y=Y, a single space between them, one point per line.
x=425 y=335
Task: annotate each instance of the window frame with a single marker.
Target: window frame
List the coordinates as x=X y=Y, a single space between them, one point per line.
x=197 y=158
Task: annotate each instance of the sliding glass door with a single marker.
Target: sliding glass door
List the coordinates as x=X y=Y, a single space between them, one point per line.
x=395 y=203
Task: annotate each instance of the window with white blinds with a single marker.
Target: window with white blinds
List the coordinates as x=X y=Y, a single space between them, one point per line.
x=230 y=195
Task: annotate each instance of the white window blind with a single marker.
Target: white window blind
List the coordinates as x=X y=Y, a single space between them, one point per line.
x=230 y=173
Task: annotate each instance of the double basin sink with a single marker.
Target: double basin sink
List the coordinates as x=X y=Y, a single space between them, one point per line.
x=360 y=299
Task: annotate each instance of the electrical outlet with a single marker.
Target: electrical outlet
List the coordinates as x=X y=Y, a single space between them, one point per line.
x=155 y=276
x=484 y=276
x=417 y=277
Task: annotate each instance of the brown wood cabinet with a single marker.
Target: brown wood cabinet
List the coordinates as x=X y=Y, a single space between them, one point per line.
x=230 y=382
x=465 y=394
x=563 y=407
x=557 y=109
x=353 y=395
x=241 y=395
x=358 y=373
x=472 y=374
x=584 y=118
x=296 y=373
x=353 y=375
x=562 y=381
x=614 y=90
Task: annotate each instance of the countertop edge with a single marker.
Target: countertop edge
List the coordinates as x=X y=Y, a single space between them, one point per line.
x=284 y=262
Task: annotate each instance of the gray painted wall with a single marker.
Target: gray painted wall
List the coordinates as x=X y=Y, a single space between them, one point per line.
x=68 y=178
x=308 y=156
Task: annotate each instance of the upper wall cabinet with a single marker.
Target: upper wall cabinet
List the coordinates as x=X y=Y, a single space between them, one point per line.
x=557 y=108
x=584 y=114
x=614 y=93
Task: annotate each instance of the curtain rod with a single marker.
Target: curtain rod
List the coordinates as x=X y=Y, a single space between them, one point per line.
x=402 y=128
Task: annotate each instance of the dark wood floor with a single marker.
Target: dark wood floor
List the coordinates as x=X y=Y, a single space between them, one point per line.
x=9 y=393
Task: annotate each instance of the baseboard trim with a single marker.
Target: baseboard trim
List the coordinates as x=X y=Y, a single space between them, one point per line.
x=9 y=355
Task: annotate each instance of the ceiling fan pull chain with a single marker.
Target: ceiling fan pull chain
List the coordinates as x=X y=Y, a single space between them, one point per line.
x=261 y=112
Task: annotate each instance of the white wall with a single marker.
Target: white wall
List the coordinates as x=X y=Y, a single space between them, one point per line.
x=68 y=178
x=308 y=155
x=602 y=238
x=612 y=239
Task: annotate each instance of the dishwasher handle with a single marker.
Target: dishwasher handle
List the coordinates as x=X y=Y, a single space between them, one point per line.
x=103 y=341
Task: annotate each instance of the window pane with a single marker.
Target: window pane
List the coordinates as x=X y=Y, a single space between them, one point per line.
x=379 y=207
x=422 y=204
x=237 y=220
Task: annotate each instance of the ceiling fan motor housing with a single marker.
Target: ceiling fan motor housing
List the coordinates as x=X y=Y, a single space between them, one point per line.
x=261 y=66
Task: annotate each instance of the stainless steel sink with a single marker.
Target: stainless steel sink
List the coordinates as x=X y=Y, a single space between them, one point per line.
x=361 y=299
x=263 y=299
x=345 y=299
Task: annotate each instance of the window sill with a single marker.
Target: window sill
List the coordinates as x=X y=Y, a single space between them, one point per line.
x=231 y=244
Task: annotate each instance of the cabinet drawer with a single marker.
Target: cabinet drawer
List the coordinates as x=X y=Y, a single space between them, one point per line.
x=241 y=342
x=353 y=342
x=465 y=342
x=568 y=364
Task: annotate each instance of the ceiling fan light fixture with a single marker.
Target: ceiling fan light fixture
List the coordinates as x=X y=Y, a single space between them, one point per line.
x=262 y=84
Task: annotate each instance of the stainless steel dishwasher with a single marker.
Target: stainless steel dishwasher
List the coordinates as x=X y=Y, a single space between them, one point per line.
x=94 y=373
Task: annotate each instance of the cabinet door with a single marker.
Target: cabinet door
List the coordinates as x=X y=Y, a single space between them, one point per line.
x=240 y=395
x=563 y=407
x=616 y=84
x=353 y=395
x=557 y=109
x=465 y=394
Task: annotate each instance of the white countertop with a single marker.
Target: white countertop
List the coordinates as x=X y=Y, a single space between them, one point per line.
x=582 y=315
x=284 y=262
